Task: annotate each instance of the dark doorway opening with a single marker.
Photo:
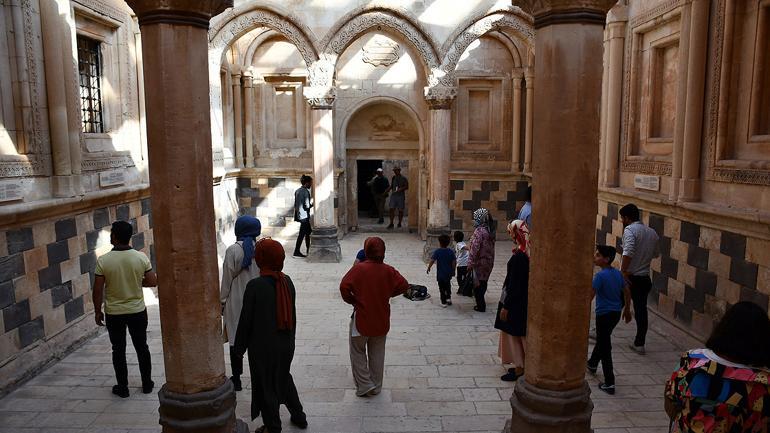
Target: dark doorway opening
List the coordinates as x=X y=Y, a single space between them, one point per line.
x=367 y=169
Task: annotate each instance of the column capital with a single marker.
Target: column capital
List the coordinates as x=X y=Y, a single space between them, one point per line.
x=320 y=97
x=440 y=97
x=182 y=12
x=549 y=12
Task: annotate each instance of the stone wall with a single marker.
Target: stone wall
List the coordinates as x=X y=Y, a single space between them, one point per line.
x=703 y=267
x=503 y=199
x=46 y=273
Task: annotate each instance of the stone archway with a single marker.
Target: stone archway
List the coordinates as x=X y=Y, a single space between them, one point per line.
x=389 y=130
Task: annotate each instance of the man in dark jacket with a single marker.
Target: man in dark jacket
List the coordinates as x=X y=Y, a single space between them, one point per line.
x=302 y=205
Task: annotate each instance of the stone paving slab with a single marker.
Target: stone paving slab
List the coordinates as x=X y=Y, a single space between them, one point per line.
x=442 y=370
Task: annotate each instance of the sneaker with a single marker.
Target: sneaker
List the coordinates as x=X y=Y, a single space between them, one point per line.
x=637 y=349
x=120 y=391
x=390 y=226
x=444 y=305
x=590 y=369
x=299 y=254
x=237 y=383
x=147 y=387
x=448 y=303
x=609 y=389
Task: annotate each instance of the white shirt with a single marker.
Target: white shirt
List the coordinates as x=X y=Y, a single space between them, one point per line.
x=641 y=244
x=461 y=254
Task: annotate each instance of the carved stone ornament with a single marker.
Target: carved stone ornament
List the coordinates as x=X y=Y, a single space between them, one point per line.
x=381 y=51
x=320 y=74
x=196 y=13
x=31 y=165
x=548 y=12
x=320 y=98
x=440 y=97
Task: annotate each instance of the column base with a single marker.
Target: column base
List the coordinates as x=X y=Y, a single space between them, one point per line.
x=66 y=186
x=689 y=190
x=544 y=411
x=208 y=411
x=431 y=243
x=324 y=246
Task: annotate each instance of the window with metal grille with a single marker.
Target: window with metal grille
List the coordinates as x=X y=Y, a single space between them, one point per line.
x=90 y=71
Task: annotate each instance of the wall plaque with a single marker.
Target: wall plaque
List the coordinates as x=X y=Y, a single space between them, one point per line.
x=381 y=51
x=112 y=178
x=11 y=190
x=643 y=181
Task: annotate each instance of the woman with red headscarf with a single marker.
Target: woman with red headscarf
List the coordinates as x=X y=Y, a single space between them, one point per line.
x=266 y=330
x=368 y=287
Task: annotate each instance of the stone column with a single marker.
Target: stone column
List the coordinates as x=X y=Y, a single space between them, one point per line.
x=439 y=101
x=616 y=34
x=517 y=123
x=689 y=186
x=238 y=120
x=196 y=396
x=554 y=396
x=528 y=137
x=324 y=245
x=248 y=110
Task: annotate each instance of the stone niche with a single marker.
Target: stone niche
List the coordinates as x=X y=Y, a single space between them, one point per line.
x=381 y=126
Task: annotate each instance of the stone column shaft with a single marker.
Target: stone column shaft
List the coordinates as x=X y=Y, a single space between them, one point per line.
x=528 y=128
x=516 y=124
x=603 y=115
x=238 y=121
x=248 y=91
x=616 y=32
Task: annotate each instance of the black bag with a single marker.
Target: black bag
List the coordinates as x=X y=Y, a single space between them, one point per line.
x=468 y=283
x=416 y=293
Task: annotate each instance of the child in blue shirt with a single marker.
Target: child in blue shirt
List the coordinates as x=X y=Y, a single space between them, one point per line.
x=612 y=297
x=445 y=261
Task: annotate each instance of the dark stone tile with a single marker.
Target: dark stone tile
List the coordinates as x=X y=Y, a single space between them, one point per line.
x=689 y=233
x=146 y=206
x=243 y=182
x=618 y=244
x=706 y=281
x=134 y=226
x=123 y=212
x=754 y=296
x=66 y=229
x=61 y=294
x=152 y=257
x=733 y=245
x=454 y=186
x=612 y=211
x=683 y=313
x=49 y=277
x=20 y=240
x=248 y=192
x=274 y=182
x=599 y=236
x=660 y=282
x=470 y=205
x=101 y=218
x=656 y=223
x=31 y=331
x=744 y=273
x=336 y=203
x=669 y=267
x=73 y=309
x=455 y=224
x=11 y=266
x=7 y=296
x=697 y=256
x=479 y=196
x=87 y=262
x=490 y=185
x=16 y=315
x=664 y=243
x=58 y=252
x=92 y=238
x=606 y=225
x=137 y=241
x=694 y=298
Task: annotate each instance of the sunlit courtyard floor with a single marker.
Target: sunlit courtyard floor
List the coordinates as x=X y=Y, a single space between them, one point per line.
x=442 y=372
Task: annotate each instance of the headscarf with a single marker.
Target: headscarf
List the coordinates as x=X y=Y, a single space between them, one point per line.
x=374 y=248
x=520 y=234
x=247 y=228
x=480 y=217
x=269 y=256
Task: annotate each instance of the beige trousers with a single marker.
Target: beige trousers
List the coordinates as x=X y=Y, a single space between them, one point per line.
x=367 y=360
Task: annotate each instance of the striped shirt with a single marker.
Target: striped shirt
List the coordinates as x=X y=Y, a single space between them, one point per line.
x=641 y=244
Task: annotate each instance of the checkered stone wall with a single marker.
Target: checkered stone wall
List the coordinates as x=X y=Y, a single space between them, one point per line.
x=46 y=273
x=503 y=199
x=701 y=270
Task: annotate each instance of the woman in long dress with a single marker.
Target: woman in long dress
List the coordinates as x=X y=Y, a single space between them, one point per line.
x=266 y=330
x=512 y=310
x=481 y=255
x=238 y=269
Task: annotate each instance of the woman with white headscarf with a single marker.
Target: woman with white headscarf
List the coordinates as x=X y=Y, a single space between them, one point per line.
x=481 y=256
x=512 y=310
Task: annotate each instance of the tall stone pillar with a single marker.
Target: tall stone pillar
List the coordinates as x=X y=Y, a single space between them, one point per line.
x=238 y=120
x=553 y=396
x=324 y=245
x=196 y=396
x=248 y=115
x=528 y=127
x=439 y=101
x=616 y=35
x=516 y=124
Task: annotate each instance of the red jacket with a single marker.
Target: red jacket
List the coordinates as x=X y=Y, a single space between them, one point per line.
x=368 y=286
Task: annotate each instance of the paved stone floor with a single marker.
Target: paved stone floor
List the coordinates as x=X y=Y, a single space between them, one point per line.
x=442 y=371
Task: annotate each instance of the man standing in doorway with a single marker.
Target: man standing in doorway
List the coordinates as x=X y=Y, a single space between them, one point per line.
x=380 y=187
x=302 y=205
x=640 y=246
x=398 y=187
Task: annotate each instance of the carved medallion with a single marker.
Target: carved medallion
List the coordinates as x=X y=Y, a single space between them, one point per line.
x=381 y=51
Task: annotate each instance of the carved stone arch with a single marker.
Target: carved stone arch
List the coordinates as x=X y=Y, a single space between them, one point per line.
x=511 y=45
x=261 y=38
x=342 y=35
x=511 y=20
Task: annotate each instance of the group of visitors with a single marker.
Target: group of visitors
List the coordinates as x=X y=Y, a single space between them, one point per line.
x=380 y=188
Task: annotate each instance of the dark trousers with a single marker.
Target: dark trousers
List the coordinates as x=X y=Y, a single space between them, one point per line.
x=271 y=414
x=137 y=328
x=379 y=204
x=478 y=293
x=640 y=289
x=236 y=362
x=462 y=271
x=603 y=348
x=445 y=289
x=304 y=233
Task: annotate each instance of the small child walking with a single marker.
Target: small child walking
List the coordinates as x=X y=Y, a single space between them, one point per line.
x=445 y=261
x=612 y=297
x=461 y=252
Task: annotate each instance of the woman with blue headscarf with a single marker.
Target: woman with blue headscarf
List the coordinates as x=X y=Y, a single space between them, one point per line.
x=237 y=270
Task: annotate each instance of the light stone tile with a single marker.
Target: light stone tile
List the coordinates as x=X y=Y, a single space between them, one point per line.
x=474 y=423
x=480 y=394
x=43 y=233
x=422 y=408
x=70 y=269
x=450 y=382
x=423 y=395
x=69 y=419
x=493 y=407
x=402 y=424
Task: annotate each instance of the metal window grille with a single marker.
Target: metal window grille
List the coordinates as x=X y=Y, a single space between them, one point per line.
x=90 y=71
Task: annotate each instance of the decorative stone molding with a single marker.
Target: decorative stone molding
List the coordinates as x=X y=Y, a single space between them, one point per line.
x=105 y=9
x=320 y=74
x=657 y=11
x=31 y=165
x=440 y=97
x=320 y=98
x=543 y=8
x=107 y=163
x=661 y=168
x=196 y=13
x=32 y=44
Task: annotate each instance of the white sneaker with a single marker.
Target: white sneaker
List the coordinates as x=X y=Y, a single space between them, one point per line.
x=443 y=305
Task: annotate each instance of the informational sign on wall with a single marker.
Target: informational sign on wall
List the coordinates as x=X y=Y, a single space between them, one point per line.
x=643 y=181
x=112 y=178
x=11 y=190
